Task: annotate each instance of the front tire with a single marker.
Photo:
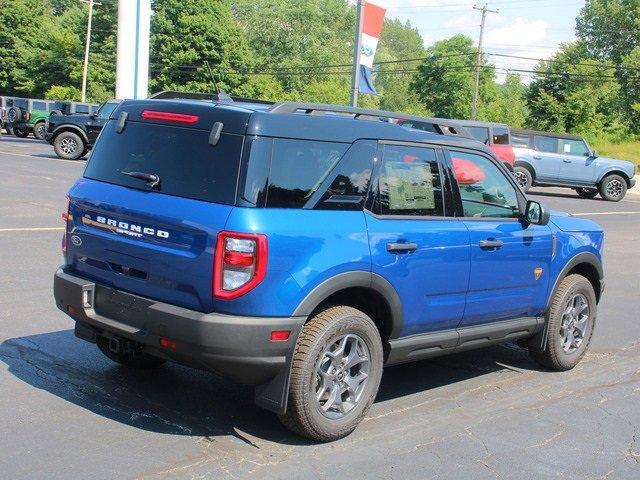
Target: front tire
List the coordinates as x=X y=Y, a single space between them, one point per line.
x=523 y=178
x=335 y=374
x=131 y=359
x=571 y=320
x=69 y=146
x=39 y=130
x=586 y=193
x=613 y=188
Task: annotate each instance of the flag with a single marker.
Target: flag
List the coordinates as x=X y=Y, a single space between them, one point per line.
x=373 y=19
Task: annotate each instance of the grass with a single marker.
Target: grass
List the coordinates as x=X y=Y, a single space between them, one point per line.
x=623 y=151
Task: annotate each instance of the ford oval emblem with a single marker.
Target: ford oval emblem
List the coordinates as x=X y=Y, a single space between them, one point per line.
x=76 y=240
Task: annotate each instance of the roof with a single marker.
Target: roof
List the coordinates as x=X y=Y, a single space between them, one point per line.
x=476 y=123
x=546 y=134
x=302 y=121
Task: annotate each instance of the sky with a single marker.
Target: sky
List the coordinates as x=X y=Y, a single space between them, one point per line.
x=525 y=28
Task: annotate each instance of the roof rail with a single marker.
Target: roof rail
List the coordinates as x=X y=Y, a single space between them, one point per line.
x=212 y=97
x=444 y=125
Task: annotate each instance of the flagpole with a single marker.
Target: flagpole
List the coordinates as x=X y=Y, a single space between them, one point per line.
x=355 y=73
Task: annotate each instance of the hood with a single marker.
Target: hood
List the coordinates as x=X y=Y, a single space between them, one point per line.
x=569 y=223
x=621 y=164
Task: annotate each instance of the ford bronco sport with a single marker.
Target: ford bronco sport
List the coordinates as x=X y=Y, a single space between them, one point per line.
x=299 y=248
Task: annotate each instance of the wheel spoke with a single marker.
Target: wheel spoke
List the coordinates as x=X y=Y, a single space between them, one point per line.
x=353 y=383
x=354 y=358
x=334 y=397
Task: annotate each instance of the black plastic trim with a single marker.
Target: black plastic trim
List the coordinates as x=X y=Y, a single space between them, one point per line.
x=432 y=344
x=358 y=278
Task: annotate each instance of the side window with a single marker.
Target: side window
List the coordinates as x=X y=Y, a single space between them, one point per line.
x=38 y=105
x=349 y=182
x=481 y=134
x=500 y=136
x=409 y=182
x=520 y=140
x=574 y=147
x=484 y=190
x=545 y=144
x=82 y=108
x=298 y=168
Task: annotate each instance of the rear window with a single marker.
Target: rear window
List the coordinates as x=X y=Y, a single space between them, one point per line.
x=188 y=166
x=19 y=102
x=500 y=136
x=519 y=140
x=481 y=134
x=545 y=144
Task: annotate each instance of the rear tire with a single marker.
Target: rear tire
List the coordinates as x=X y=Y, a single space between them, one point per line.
x=586 y=193
x=39 y=130
x=523 y=178
x=571 y=320
x=335 y=374
x=613 y=188
x=20 y=132
x=133 y=359
x=69 y=146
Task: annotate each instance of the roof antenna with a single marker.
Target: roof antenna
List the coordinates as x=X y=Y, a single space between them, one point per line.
x=220 y=95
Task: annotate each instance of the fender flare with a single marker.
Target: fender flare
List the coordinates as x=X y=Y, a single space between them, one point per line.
x=527 y=165
x=540 y=339
x=69 y=126
x=357 y=278
x=611 y=170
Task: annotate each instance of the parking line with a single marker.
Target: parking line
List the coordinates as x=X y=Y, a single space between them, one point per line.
x=589 y=214
x=32 y=229
x=37 y=157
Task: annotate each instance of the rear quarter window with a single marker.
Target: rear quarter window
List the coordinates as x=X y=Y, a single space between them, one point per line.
x=500 y=136
x=188 y=166
x=481 y=134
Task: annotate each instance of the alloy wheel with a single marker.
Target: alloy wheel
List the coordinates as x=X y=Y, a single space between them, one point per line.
x=521 y=179
x=574 y=323
x=614 y=188
x=68 y=145
x=342 y=375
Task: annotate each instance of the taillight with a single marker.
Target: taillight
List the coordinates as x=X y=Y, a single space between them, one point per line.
x=239 y=265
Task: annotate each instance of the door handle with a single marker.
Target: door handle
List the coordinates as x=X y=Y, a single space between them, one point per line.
x=491 y=244
x=566 y=161
x=538 y=157
x=401 y=247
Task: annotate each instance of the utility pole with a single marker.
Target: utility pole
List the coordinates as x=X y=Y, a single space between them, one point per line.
x=476 y=87
x=355 y=73
x=85 y=70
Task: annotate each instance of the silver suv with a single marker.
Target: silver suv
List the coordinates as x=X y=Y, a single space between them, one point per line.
x=561 y=160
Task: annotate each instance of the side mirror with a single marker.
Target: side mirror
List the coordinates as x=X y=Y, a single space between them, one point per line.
x=536 y=213
x=94 y=115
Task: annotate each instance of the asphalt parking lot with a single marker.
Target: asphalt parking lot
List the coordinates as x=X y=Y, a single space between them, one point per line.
x=67 y=412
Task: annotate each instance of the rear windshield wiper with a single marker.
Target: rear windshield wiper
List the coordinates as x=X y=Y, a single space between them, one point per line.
x=152 y=179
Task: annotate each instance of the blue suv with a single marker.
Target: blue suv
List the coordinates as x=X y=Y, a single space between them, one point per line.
x=299 y=248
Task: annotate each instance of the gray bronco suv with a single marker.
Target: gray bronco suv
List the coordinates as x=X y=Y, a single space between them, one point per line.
x=561 y=160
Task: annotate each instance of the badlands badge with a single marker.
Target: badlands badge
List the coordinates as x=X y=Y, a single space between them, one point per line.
x=537 y=272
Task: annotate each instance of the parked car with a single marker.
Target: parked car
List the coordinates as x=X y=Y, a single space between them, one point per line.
x=497 y=136
x=562 y=160
x=299 y=248
x=73 y=135
x=25 y=116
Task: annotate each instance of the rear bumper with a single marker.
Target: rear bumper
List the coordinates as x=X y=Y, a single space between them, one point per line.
x=234 y=346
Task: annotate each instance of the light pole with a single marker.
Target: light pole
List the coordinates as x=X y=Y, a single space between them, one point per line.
x=85 y=70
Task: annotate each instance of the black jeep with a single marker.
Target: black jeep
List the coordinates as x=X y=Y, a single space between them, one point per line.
x=72 y=136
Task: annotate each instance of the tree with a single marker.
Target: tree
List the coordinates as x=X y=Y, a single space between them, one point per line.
x=508 y=103
x=185 y=34
x=444 y=83
x=609 y=28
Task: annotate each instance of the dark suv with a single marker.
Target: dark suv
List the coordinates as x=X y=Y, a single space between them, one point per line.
x=73 y=135
x=299 y=248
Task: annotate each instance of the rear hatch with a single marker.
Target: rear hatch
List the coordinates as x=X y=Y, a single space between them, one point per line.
x=156 y=241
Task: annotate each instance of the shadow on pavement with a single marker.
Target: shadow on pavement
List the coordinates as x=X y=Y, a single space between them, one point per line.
x=181 y=401
x=537 y=193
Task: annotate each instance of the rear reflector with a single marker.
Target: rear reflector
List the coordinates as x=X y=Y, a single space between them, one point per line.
x=280 y=335
x=169 y=116
x=166 y=343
